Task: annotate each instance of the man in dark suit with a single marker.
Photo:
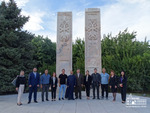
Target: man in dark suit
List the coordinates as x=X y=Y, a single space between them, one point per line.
x=96 y=82
x=79 y=83
x=34 y=82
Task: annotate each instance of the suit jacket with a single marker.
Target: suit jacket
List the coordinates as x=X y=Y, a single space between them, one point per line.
x=52 y=83
x=32 y=80
x=124 y=81
x=79 y=80
x=96 y=79
x=89 y=80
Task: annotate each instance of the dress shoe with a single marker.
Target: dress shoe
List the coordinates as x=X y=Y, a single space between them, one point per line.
x=18 y=104
x=123 y=102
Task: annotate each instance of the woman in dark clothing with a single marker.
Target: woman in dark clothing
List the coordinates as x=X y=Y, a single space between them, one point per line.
x=20 y=86
x=123 y=86
x=87 y=83
x=113 y=84
x=53 y=82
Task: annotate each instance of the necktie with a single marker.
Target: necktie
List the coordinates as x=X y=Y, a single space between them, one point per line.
x=35 y=75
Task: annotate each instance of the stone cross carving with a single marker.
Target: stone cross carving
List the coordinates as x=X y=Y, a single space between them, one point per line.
x=64 y=42
x=92 y=40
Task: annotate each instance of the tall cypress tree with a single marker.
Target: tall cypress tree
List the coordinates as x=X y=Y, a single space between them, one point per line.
x=16 y=49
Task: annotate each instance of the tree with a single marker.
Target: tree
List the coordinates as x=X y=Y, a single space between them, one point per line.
x=45 y=54
x=16 y=49
x=21 y=50
x=124 y=52
x=78 y=56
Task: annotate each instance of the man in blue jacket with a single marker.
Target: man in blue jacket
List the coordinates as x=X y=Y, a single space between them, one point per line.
x=104 y=82
x=34 y=82
x=45 y=84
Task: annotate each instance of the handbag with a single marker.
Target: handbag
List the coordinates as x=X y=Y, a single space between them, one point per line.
x=14 y=81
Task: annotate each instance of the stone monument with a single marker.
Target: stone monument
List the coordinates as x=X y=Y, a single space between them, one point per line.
x=92 y=40
x=64 y=42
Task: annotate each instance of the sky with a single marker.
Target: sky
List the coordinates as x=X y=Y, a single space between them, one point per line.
x=116 y=16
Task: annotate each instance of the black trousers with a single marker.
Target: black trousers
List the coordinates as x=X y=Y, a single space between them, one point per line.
x=78 y=91
x=95 y=86
x=53 y=92
x=123 y=93
x=87 y=88
x=104 y=88
x=45 y=88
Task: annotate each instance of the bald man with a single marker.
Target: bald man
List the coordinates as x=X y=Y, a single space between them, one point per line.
x=71 y=82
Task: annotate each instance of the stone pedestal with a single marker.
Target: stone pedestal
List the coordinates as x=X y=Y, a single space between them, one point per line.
x=64 y=42
x=92 y=40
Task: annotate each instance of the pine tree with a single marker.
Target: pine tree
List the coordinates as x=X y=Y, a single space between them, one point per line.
x=16 y=49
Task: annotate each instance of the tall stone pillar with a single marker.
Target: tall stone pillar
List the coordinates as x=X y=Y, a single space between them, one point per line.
x=92 y=40
x=64 y=42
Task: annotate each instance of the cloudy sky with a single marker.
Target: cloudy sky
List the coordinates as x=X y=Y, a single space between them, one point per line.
x=116 y=15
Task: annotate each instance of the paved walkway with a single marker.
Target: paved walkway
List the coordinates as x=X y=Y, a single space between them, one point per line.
x=8 y=105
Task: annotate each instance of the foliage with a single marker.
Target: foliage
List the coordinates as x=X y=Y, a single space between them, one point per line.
x=20 y=50
x=45 y=54
x=78 y=56
x=124 y=52
x=16 y=49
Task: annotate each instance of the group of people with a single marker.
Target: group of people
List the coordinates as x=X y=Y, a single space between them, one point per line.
x=69 y=84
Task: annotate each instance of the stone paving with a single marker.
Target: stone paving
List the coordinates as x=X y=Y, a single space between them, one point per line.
x=8 y=105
